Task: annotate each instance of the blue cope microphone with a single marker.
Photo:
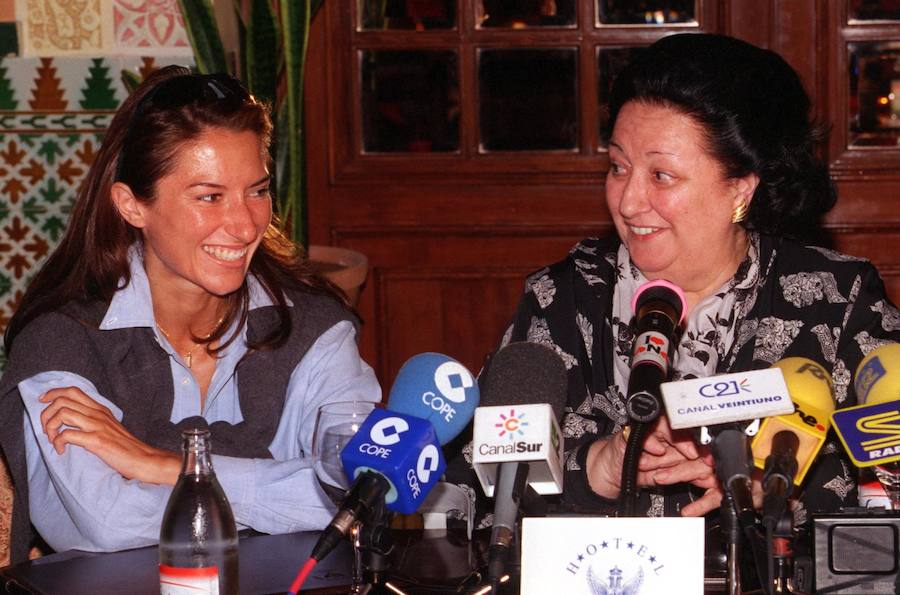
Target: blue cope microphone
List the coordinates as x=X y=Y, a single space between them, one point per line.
x=401 y=448
x=396 y=456
x=437 y=388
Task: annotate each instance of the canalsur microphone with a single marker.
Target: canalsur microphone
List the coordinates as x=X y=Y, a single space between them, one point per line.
x=659 y=308
x=395 y=458
x=870 y=432
x=517 y=441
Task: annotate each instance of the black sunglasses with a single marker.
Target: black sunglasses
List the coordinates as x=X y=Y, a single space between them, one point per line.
x=189 y=88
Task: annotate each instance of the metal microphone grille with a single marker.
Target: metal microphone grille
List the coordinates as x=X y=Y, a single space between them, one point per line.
x=525 y=373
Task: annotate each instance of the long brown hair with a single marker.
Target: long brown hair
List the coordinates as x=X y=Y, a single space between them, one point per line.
x=170 y=108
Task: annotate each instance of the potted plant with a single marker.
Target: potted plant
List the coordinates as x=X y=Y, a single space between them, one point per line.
x=273 y=37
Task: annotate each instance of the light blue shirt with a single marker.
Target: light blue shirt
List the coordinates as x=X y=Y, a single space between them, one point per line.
x=79 y=502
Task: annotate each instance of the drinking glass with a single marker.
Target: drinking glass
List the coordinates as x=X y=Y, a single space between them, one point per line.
x=336 y=423
x=889 y=477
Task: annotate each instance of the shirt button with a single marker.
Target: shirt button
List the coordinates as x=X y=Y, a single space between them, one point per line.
x=185 y=382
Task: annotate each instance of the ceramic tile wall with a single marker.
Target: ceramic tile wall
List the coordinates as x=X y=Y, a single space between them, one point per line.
x=53 y=111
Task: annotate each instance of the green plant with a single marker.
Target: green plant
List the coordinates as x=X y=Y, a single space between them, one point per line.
x=273 y=38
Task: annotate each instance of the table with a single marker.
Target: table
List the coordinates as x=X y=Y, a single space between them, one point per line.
x=425 y=561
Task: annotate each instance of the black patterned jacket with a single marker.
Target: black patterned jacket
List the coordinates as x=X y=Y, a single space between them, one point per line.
x=809 y=302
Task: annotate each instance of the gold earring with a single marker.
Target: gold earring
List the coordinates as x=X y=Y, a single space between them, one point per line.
x=740 y=212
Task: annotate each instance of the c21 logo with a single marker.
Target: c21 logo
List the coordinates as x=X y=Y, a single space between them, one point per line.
x=724 y=389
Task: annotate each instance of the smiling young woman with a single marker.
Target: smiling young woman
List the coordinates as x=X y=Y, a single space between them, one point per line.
x=174 y=301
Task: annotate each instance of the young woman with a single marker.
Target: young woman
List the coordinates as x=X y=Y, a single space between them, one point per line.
x=173 y=301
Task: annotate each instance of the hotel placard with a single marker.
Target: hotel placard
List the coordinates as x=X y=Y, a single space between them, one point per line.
x=638 y=556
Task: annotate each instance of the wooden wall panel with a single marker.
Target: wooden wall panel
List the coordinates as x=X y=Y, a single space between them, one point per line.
x=460 y=313
x=446 y=290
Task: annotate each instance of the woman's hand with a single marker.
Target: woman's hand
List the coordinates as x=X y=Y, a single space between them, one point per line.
x=669 y=457
x=72 y=417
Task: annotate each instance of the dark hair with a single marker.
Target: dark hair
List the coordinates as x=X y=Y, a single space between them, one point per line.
x=755 y=114
x=171 y=107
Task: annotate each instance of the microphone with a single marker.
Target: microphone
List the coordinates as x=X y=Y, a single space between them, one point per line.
x=780 y=469
x=517 y=440
x=873 y=382
x=437 y=388
x=870 y=431
x=395 y=457
x=659 y=307
x=810 y=388
x=727 y=409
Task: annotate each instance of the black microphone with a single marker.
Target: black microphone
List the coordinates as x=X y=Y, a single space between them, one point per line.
x=778 y=476
x=659 y=306
x=732 y=456
x=519 y=374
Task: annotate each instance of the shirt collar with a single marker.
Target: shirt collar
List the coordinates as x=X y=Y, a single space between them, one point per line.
x=132 y=305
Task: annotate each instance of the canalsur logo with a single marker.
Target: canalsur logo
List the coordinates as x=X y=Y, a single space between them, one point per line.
x=617 y=566
x=511 y=425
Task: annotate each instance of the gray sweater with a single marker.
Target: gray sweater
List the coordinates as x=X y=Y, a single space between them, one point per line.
x=130 y=369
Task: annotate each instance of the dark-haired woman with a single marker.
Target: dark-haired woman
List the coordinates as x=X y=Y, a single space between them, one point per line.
x=713 y=185
x=173 y=301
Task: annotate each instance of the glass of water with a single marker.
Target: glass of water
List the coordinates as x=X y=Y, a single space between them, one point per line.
x=336 y=424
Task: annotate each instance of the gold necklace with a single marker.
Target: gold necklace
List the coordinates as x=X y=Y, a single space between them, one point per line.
x=189 y=356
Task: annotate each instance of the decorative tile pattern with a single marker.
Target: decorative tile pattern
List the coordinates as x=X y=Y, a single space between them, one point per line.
x=53 y=112
x=65 y=27
x=146 y=26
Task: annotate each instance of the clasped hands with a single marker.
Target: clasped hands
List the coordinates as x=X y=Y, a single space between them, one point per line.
x=669 y=457
x=72 y=417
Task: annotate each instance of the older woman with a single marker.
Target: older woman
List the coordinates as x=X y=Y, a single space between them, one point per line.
x=172 y=302
x=713 y=185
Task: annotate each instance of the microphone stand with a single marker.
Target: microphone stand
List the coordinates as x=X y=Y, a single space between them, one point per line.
x=780 y=546
x=732 y=532
x=731 y=452
x=375 y=542
x=633 y=448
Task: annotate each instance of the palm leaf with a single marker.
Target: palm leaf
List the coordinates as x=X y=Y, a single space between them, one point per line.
x=295 y=16
x=203 y=33
x=260 y=58
x=130 y=80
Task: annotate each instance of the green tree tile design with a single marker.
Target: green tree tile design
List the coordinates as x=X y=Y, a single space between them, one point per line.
x=7 y=96
x=51 y=192
x=98 y=93
x=54 y=227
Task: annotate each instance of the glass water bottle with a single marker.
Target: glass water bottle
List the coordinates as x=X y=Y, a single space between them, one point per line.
x=198 y=544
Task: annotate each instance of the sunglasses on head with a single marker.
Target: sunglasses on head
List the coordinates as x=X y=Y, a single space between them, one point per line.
x=189 y=88
x=183 y=90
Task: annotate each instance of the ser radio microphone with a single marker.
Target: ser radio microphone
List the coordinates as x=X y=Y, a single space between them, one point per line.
x=395 y=457
x=517 y=440
x=870 y=431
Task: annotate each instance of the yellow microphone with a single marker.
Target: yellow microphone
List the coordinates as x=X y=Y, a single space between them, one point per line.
x=811 y=390
x=873 y=383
